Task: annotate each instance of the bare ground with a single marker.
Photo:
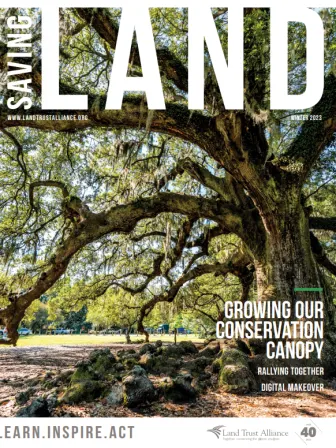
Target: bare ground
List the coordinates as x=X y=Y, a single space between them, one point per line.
x=21 y=366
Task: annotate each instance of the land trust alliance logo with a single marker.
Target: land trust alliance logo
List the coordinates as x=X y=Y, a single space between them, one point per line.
x=217 y=430
x=222 y=432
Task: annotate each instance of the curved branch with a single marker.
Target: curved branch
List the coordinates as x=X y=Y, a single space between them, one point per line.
x=46 y=183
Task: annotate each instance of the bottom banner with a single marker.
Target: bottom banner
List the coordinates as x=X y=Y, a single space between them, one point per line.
x=130 y=432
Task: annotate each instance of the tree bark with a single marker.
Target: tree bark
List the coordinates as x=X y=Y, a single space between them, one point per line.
x=288 y=261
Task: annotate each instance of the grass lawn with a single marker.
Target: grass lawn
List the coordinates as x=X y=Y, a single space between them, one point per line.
x=88 y=339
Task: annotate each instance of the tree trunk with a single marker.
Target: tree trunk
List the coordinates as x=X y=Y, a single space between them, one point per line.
x=127 y=335
x=288 y=262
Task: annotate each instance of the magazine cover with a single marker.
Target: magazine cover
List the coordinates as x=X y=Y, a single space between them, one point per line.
x=167 y=223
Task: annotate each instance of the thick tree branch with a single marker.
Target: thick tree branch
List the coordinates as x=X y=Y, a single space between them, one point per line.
x=176 y=120
x=320 y=255
x=204 y=177
x=319 y=223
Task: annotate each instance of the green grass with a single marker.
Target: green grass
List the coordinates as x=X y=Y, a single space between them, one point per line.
x=91 y=339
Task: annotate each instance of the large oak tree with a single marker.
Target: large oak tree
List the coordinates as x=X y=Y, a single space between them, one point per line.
x=146 y=200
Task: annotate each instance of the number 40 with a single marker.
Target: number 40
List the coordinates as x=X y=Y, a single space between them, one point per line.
x=308 y=431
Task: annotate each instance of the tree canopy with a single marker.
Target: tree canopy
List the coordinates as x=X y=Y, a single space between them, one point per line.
x=169 y=205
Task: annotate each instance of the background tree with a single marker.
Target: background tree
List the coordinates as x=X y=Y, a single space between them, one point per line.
x=38 y=321
x=115 y=309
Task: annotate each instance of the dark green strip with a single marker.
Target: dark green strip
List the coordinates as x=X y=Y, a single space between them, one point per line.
x=308 y=289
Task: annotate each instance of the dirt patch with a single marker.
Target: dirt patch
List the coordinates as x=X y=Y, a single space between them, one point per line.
x=22 y=365
x=19 y=365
